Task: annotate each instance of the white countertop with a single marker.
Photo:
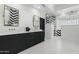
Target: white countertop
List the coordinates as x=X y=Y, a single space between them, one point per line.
x=17 y=32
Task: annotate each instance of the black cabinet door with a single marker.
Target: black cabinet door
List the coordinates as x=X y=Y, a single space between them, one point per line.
x=31 y=39
x=24 y=40
x=36 y=37
x=42 y=23
x=39 y=36
x=9 y=44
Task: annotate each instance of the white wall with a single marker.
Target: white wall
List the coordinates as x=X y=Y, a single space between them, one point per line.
x=1 y=15
x=49 y=27
x=26 y=14
x=48 y=31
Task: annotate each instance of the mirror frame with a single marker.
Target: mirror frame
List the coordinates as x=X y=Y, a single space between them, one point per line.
x=8 y=7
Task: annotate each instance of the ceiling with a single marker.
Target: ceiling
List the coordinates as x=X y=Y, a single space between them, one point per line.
x=55 y=7
x=63 y=6
x=52 y=8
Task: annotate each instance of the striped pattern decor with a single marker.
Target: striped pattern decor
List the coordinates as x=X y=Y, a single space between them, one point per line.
x=50 y=19
x=57 y=32
x=13 y=17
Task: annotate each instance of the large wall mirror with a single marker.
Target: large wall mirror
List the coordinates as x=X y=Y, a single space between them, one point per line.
x=36 y=22
x=11 y=16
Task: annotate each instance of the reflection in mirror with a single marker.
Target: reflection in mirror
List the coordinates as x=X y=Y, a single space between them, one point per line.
x=11 y=16
x=36 y=22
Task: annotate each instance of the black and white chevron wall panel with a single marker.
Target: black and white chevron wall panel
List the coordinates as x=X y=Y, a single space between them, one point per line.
x=50 y=19
x=13 y=17
x=57 y=33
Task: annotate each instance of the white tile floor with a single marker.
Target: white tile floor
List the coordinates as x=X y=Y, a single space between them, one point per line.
x=54 y=46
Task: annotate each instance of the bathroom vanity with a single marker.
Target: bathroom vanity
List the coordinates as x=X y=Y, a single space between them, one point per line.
x=17 y=35
x=15 y=40
x=15 y=43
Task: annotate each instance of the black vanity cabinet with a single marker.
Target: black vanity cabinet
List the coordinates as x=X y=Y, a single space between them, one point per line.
x=15 y=43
